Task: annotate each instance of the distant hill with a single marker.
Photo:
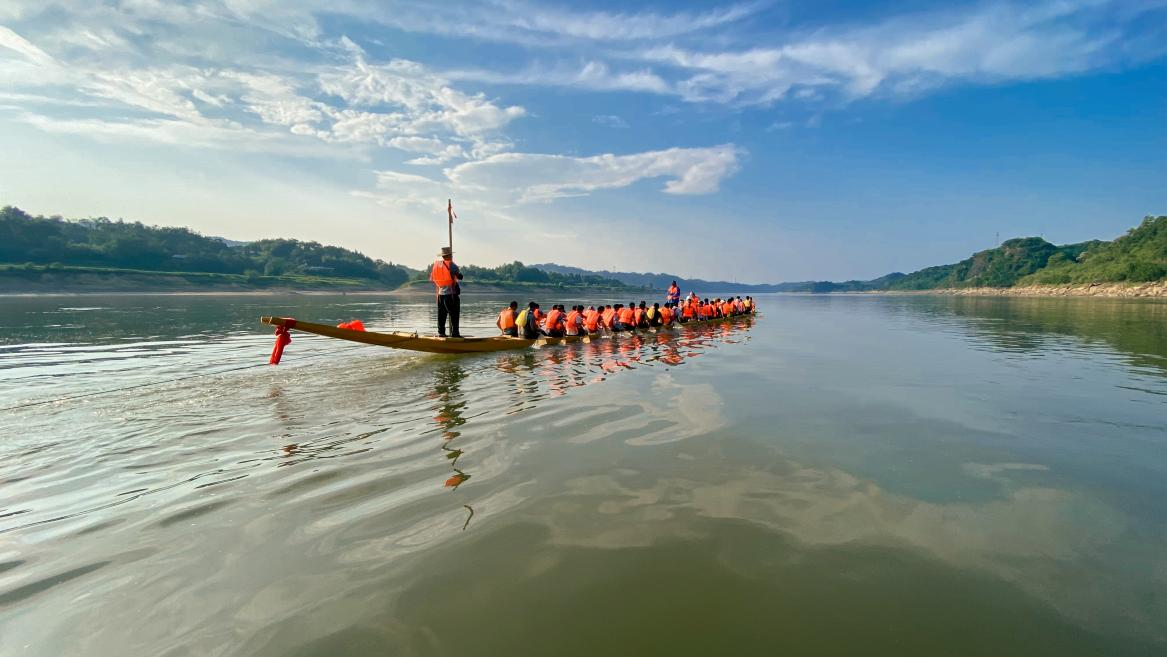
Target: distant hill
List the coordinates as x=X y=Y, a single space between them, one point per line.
x=662 y=281
x=1137 y=257
x=99 y=243
x=1003 y=266
x=520 y=275
x=53 y=254
x=701 y=286
x=45 y=253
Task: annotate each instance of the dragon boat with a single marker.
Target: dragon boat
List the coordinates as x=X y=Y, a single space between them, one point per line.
x=466 y=345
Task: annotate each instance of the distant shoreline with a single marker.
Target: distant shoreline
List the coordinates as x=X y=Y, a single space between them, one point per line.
x=406 y=292
x=1157 y=290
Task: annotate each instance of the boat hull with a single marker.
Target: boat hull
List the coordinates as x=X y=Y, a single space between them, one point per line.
x=438 y=345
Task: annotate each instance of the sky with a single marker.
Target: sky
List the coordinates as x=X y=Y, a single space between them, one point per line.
x=755 y=141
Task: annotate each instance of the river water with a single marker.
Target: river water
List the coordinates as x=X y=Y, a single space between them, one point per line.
x=843 y=475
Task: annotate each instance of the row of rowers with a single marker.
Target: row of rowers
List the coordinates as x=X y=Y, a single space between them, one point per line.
x=532 y=322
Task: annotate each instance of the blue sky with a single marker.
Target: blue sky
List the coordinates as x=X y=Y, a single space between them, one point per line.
x=756 y=141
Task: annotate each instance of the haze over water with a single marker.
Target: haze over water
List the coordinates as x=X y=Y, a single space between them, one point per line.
x=840 y=476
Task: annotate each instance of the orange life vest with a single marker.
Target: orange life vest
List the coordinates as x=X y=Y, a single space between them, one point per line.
x=607 y=317
x=440 y=274
x=666 y=316
x=573 y=322
x=592 y=320
x=727 y=309
x=637 y=316
x=554 y=319
x=688 y=311
x=506 y=319
x=626 y=315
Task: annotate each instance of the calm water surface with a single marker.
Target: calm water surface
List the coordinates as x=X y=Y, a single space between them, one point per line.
x=842 y=476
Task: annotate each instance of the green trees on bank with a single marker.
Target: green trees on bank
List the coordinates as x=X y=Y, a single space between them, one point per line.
x=54 y=243
x=1139 y=256
x=123 y=245
x=517 y=272
x=119 y=245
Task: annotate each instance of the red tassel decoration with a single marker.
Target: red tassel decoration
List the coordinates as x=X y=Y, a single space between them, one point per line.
x=282 y=340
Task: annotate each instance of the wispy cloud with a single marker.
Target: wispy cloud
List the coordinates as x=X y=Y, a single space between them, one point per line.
x=902 y=55
x=15 y=43
x=541 y=25
x=592 y=75
x=610 y=120
x=909 y=54
x=510 y=179
x=537 y=177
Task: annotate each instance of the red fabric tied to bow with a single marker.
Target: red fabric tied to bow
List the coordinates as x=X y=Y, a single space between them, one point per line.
x=355 y=325
x=282 y=340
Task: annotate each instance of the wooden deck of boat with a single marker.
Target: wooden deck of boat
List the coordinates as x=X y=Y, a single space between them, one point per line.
x=439 y=345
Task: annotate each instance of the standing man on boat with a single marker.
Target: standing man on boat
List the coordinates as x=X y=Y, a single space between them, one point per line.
x=674 y=295
x=445 y=276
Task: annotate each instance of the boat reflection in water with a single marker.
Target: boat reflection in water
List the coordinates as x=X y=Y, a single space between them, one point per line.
x=438 y=404
x=449 y=408
x=535 y=375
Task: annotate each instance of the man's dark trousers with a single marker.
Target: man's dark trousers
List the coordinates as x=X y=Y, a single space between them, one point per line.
x=449 y=304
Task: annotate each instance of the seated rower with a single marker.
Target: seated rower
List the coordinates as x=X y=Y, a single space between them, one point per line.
x=625 y=319
x=592 y=320
x=553 y=325
x=573 y=323
x=526 y=322
x=727 y=309
x=506 y=320
x=666 y=316
x=637 y=313
x=653 y=315
x=608 y=317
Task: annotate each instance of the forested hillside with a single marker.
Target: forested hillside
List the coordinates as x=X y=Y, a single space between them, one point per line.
x=102 y=243
x=40 y=252
x=1137 y=257
x=999 y=267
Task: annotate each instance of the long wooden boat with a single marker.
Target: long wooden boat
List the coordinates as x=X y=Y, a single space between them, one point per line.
x=437 y=345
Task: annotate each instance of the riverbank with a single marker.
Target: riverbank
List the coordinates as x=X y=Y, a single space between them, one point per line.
x=425 y=288
x=1156 y=290
x=18 y=280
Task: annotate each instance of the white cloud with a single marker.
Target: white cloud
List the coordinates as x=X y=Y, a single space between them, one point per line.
x=983 y=44
x=425 y=99
x=399 y=104
x=533 y=24
x=538 y=177
x=14 y=42
x=593 y=75
x=610 y=120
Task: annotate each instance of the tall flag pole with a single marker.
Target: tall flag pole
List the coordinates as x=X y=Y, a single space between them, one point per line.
x=450 y=211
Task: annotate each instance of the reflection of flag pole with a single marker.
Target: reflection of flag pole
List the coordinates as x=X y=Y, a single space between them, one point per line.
x=450 y=211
